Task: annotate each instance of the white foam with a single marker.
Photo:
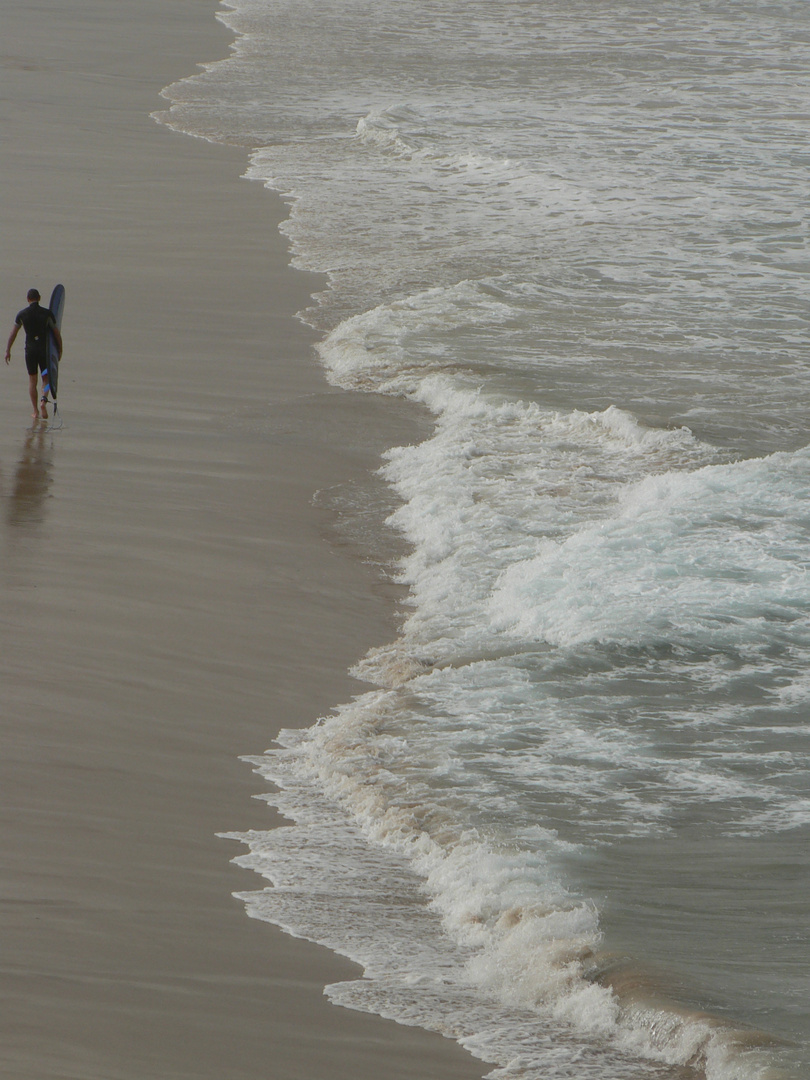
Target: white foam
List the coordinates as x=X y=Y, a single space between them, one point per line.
x=714 y=557
x=393 y=347
x=512 y=969
x=489 y=490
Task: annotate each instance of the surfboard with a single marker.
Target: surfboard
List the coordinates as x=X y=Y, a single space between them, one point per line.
x=56 y=306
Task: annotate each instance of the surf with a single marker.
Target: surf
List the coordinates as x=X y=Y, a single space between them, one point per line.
x=576 y=244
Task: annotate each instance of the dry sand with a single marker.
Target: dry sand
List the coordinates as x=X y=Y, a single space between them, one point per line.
x=170 y=592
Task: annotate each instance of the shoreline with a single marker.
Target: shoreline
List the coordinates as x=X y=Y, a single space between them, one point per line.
x=173 y=591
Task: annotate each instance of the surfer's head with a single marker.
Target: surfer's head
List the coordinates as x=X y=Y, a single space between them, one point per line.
x=33 y=294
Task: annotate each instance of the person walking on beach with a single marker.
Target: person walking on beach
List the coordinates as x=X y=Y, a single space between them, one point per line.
x=36 y=321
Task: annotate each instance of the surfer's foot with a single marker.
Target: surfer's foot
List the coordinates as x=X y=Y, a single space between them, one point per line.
x=43 y=411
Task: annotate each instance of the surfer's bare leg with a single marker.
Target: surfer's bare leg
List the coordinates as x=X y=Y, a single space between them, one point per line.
x=46 y=389
x=33 y=394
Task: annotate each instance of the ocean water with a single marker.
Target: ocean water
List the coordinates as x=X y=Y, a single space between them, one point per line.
x=568 y=824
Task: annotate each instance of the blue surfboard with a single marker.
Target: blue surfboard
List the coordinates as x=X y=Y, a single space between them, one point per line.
x=56 y=306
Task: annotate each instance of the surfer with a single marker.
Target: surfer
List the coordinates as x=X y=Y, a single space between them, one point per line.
x=36 y=321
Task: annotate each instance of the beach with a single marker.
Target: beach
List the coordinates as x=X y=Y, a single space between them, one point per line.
x=406 y=616
x=174 y=591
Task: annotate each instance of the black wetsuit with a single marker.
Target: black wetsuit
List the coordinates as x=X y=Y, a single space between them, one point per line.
x=36 y=321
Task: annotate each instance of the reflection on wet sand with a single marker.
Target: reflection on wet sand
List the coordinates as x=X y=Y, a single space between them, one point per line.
x=32 y=479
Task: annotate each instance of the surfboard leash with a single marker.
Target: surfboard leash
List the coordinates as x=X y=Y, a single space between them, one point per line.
x=53 y=426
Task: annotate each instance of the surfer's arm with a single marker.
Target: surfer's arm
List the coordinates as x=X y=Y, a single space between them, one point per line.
x=57 y=338
x=11 y=339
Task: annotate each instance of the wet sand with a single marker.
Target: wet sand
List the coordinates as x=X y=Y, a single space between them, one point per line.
x=172 y=592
